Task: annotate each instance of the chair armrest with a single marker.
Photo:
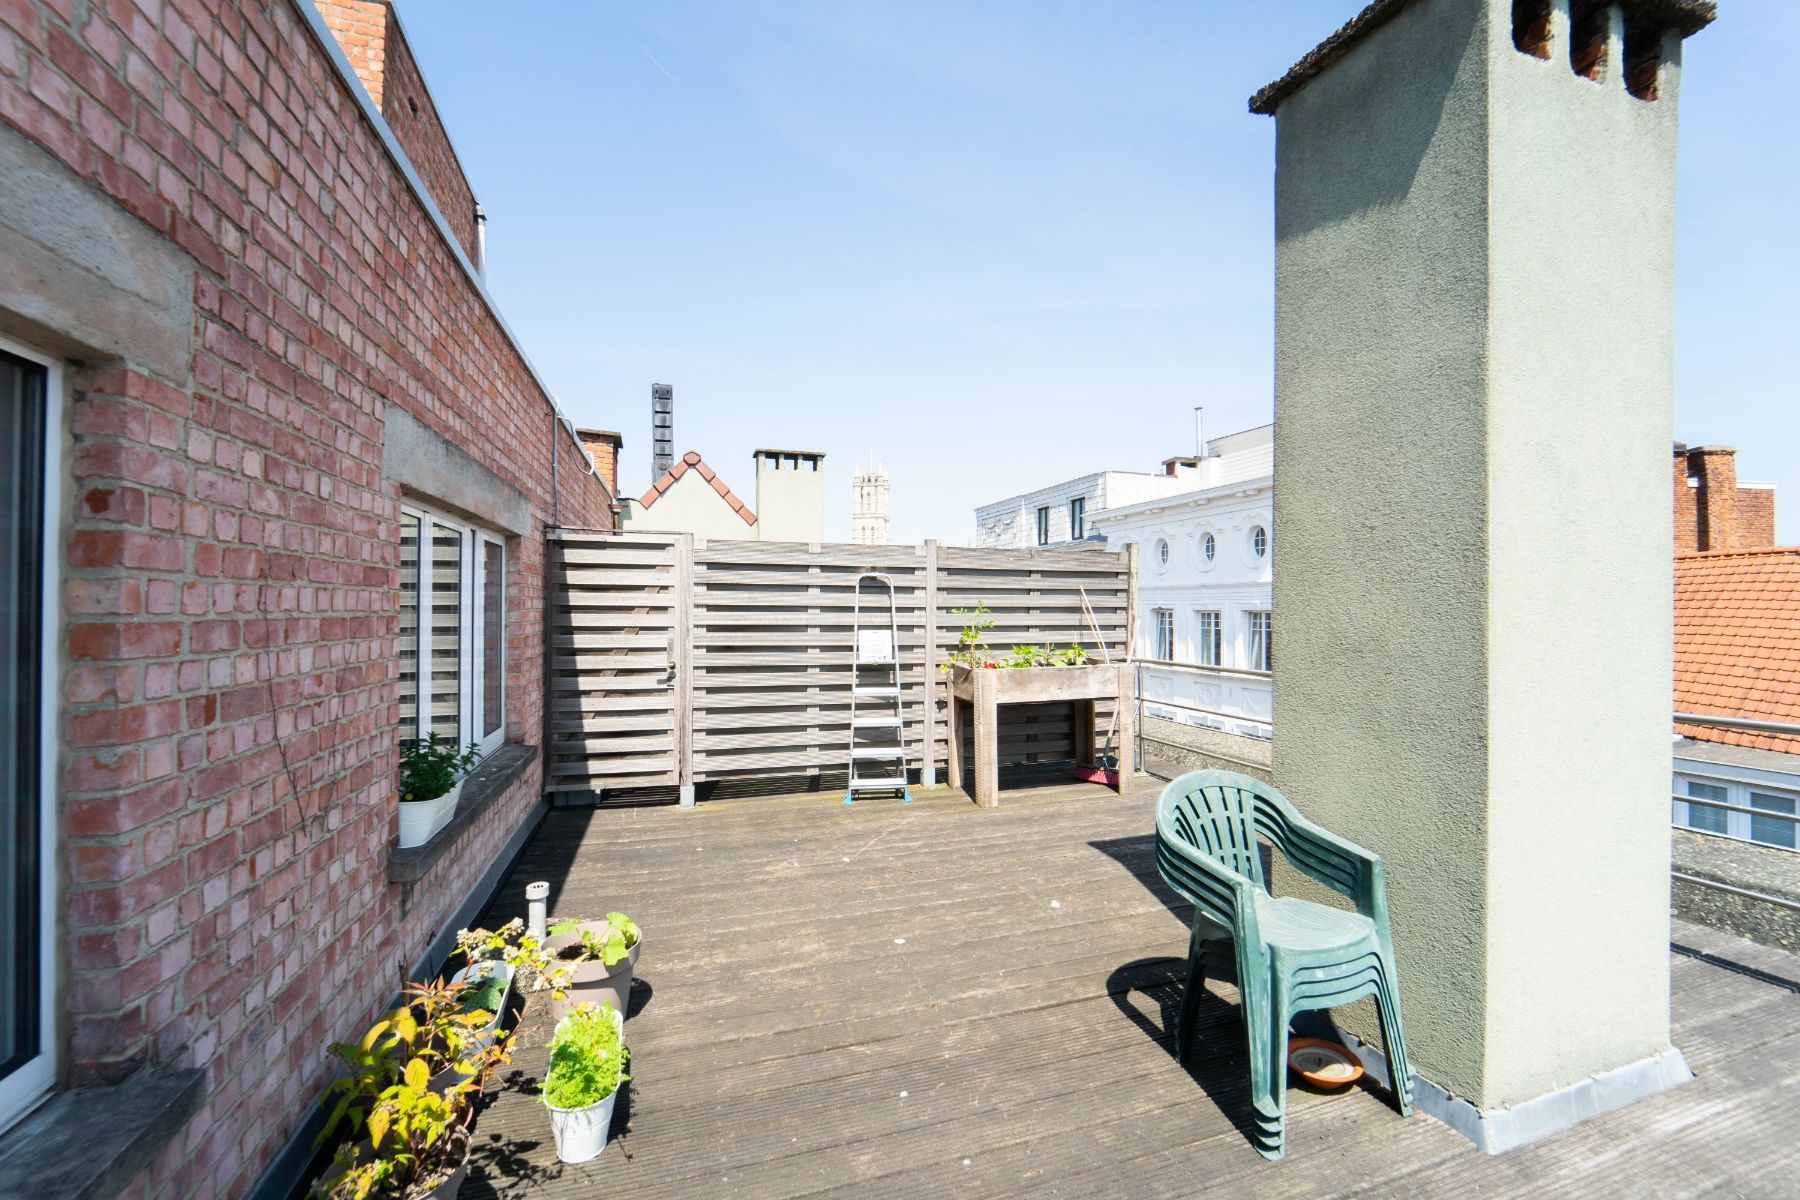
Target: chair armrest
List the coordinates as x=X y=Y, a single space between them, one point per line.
x=1337 y=862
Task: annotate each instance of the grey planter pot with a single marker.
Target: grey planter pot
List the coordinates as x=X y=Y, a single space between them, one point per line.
x=594 y=981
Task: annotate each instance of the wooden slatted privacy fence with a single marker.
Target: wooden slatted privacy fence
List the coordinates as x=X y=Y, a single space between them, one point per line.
x=679 y=662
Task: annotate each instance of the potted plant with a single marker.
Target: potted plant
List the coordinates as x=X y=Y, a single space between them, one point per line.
x=587 y=1065
x=592 y=961
x=405 y=1106
x=431 y=775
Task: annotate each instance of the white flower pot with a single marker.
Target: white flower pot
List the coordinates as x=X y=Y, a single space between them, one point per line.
x=581 y=1133
x=419 y=819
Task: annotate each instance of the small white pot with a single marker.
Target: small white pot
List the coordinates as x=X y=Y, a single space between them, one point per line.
x=419 y=819
x=581 y=1133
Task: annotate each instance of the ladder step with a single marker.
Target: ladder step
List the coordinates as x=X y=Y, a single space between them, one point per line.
x=878 y=693
x=897 y=781
x=862 y=752
x=875 y=722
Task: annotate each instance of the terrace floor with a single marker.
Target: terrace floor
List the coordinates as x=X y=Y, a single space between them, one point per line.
x=942 y=1000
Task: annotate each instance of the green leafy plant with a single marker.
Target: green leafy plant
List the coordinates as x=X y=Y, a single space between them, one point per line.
x=485 y=995
x=416 y=1134
x=1075 y=656
x=608 y=944
x=427 y=768
x=533 y=966
x=587 y=1057
x=1028 y=656
x=971 y=642
x=430 y=767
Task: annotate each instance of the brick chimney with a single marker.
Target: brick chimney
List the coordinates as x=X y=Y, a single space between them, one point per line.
x=1713 y=511
x=604 y=445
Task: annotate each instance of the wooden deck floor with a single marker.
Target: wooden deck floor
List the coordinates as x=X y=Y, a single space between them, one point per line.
x=938 y=1000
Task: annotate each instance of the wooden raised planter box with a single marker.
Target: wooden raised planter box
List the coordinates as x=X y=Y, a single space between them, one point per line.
x=985 y=690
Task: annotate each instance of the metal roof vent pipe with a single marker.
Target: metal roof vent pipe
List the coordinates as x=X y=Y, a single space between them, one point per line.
x=662 y=429
x=481 y=241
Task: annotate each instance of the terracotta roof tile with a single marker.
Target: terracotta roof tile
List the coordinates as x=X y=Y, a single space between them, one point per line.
x=692 y=459
x=1737 y=641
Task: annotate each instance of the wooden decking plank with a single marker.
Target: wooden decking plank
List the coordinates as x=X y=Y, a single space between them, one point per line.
x=784 y=1022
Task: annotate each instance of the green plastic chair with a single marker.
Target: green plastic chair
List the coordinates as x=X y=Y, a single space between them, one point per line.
x=1291 y=955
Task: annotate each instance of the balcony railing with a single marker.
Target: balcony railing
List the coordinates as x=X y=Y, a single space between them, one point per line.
x=1755 y=726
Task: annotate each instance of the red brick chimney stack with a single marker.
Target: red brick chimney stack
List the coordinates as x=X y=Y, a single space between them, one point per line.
x=1712 y=510
x=604 y=445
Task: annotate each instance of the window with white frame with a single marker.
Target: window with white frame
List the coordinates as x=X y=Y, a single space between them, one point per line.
x=1209 y=546
x=1259 y=542
x=30 y=422
x=452 y=631
x=1077 y=518
x=1701 y=804
x=1209 y=635
x=1262 y=641
x=1165 y=633
x=1043 y=525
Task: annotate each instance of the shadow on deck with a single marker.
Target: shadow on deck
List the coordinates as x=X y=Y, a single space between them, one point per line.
x=936 y=999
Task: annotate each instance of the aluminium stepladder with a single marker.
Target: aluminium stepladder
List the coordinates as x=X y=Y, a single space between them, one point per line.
x=877 y=728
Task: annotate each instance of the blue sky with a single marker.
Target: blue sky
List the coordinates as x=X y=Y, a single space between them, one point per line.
x=994 y=244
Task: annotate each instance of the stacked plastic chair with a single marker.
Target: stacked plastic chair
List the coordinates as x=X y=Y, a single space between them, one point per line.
x=1290 y=955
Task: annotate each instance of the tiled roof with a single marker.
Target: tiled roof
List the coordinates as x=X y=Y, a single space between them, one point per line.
x=692 y=461
x=1737 y=641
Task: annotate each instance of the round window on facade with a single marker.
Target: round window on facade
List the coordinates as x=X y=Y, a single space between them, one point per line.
x=1162 y=552
x=1259 y=542
x=1209 y=546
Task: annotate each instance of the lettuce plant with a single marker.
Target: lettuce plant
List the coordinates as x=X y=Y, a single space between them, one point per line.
x=587 y=1057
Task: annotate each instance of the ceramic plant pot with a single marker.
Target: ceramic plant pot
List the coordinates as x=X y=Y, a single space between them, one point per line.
x=474 y=974
x=593 y=980
x=581 y=1133
x=419 y=819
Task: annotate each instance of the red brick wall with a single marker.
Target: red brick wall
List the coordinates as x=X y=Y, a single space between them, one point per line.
x=1718 y=514
x=1687 y=507
x=604 y=446
x=371 y=37
x=230 y=724
x=1755 y=518
x=360 y=27
x=414 y=119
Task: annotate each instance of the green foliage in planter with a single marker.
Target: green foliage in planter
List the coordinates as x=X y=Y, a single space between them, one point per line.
x=971 y=642
x=587 y=1057
x=972 y=651
x=404 y=1137
x=608 y=944
x=485 y=996
x=430 y=767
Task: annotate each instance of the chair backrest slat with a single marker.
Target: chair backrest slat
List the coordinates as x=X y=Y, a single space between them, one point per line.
x=1220 y=814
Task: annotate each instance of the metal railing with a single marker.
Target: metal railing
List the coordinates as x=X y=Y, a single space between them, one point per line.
x=1226 y=674
x=1755 y=726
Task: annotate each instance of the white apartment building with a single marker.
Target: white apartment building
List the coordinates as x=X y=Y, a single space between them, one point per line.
x=1206 y=587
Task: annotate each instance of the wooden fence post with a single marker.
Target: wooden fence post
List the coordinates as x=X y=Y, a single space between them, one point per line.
x=683 y=665
x=928 y=759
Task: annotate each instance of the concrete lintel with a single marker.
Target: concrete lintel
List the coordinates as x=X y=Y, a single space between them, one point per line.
x=431 y=468
x=85 y=279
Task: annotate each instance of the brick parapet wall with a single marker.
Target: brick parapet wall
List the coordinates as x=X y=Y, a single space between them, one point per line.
x=411 y=114
x=230 y=722
x=372 y=39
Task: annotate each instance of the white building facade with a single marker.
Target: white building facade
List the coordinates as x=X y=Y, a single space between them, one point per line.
x=1206 y=588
